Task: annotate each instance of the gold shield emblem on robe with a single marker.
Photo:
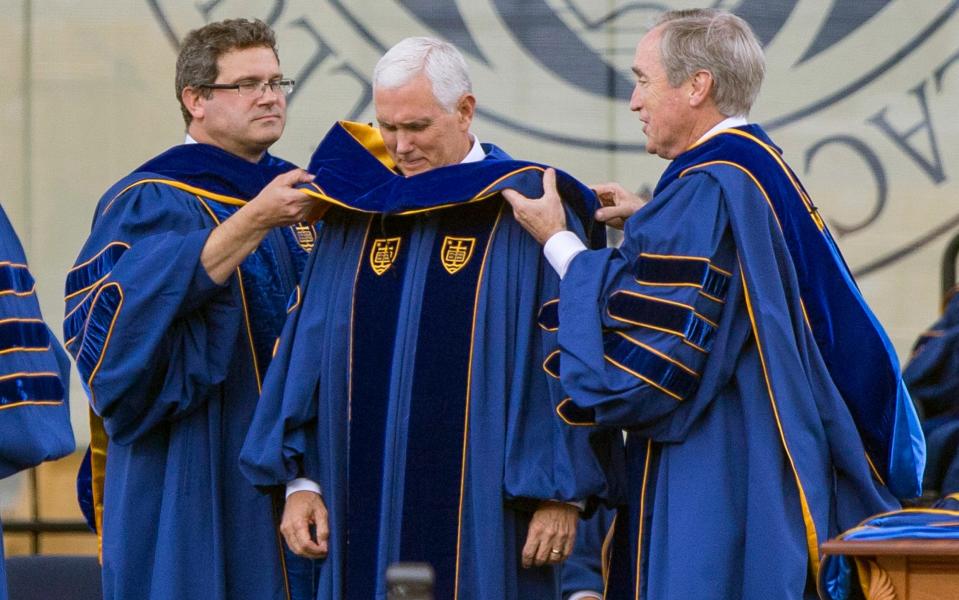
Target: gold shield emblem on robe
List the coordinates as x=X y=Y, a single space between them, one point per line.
x=305 y=236
x=456 y=252
x=383 y=253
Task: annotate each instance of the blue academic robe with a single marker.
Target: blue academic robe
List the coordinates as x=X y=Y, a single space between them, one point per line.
x=413 y=382
x=34 y=374
x=173 y=364
x=932 y=377
x=763 y=402
x=585 y=569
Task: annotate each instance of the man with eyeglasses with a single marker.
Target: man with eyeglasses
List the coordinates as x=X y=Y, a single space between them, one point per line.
x=172 y=311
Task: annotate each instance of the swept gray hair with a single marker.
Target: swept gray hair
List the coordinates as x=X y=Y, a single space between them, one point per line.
x=721 y=43
x=441 y=61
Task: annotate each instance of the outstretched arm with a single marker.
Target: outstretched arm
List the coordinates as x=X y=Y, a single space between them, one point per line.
x=279 y=204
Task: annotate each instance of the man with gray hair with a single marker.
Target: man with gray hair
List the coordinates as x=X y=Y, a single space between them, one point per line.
x=763 y=401
x=410 y=407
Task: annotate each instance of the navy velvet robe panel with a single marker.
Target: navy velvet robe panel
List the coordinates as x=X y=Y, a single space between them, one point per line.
x=418 y=398
x=34 y=374
x=742 y=454
x=173 y=363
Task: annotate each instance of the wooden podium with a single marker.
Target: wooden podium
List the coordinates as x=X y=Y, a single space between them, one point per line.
x=905 y=569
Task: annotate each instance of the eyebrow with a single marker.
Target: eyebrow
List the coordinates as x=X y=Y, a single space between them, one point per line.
x=415 y=123
x=637 y=71
x=273 y=77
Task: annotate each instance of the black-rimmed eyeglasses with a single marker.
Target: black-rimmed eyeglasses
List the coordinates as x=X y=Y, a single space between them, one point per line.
x=253 y=89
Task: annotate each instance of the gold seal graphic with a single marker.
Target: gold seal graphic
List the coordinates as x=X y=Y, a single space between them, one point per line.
x=383 y=253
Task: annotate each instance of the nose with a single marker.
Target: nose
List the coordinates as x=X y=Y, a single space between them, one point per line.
x=404 y=142
x=268 y=95
x=636 y=99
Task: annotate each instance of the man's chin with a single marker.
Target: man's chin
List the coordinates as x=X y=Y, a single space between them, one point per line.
x=269 y=126
x=268 y=137
x=414 y=168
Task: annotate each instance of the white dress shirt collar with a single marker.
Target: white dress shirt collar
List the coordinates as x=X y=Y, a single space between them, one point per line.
x=737 y=121
x=476 y=152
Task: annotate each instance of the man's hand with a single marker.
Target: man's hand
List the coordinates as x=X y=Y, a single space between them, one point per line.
x=277 y=205
x=541 y=217
x=303 y=509
x=280 y=203
x=618 y=204
x=552 y=533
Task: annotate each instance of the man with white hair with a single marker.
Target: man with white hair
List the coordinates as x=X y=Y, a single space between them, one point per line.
x=763 y=401
x=410 y=407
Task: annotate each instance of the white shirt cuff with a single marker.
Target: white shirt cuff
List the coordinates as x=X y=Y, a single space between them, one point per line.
x=302 y=484
x=585 y=594
x=560 y=250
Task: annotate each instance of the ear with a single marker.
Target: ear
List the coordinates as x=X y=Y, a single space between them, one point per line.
x=700 y=88
x=465 y=109
x=194 y=101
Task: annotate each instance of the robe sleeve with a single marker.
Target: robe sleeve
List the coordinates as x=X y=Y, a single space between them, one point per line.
x=276 y=444
x=282 y=441
x=547 y=457
x=34 y=370
x=151 y=333
x=637 y=324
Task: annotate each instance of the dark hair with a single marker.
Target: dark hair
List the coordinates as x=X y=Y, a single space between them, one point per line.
x=201 y=48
